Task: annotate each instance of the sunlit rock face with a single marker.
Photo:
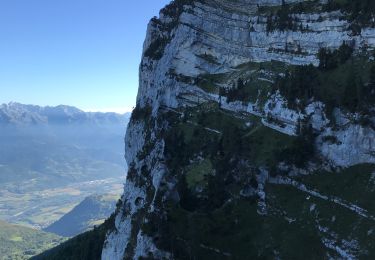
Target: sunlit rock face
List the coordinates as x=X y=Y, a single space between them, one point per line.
x=195 y=38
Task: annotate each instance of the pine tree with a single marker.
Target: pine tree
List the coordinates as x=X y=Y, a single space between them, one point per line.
x=269 y=26
x=350 y=98
x=372 y=76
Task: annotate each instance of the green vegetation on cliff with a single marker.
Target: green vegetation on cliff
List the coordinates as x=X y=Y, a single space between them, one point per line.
x=217 y=158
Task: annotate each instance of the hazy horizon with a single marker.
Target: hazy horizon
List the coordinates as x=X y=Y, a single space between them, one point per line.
x=104 y=110
x=78 y=53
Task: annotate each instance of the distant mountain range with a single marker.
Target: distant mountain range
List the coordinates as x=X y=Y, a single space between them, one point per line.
x=51 y=158
x=16 y=113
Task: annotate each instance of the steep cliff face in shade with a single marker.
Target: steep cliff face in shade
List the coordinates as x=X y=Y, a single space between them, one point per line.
x=238 y=147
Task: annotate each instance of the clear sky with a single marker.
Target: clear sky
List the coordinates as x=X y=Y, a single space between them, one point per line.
x=83 y=53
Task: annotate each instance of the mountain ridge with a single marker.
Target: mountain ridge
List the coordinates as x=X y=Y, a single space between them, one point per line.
x=17 y=113
x=90 y=212
x=253 y=134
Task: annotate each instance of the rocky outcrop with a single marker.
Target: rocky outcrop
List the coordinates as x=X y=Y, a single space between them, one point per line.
x=191 y=39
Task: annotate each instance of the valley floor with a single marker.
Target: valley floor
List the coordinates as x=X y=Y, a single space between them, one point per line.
x=39 y=209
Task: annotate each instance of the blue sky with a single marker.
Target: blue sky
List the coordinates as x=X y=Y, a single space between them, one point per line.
x=83 y=53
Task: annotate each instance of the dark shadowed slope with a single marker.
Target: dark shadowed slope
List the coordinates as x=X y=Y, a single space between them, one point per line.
x=92 y=211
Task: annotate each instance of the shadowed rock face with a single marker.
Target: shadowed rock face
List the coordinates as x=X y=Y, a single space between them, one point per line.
x=193 y=39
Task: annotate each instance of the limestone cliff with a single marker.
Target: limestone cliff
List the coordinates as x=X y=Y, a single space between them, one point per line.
x=211 y=73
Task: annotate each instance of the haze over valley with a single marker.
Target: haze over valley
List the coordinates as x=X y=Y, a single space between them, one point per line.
x=51 y=158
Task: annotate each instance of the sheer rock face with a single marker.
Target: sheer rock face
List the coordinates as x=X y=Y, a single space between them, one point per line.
x=229 y=33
